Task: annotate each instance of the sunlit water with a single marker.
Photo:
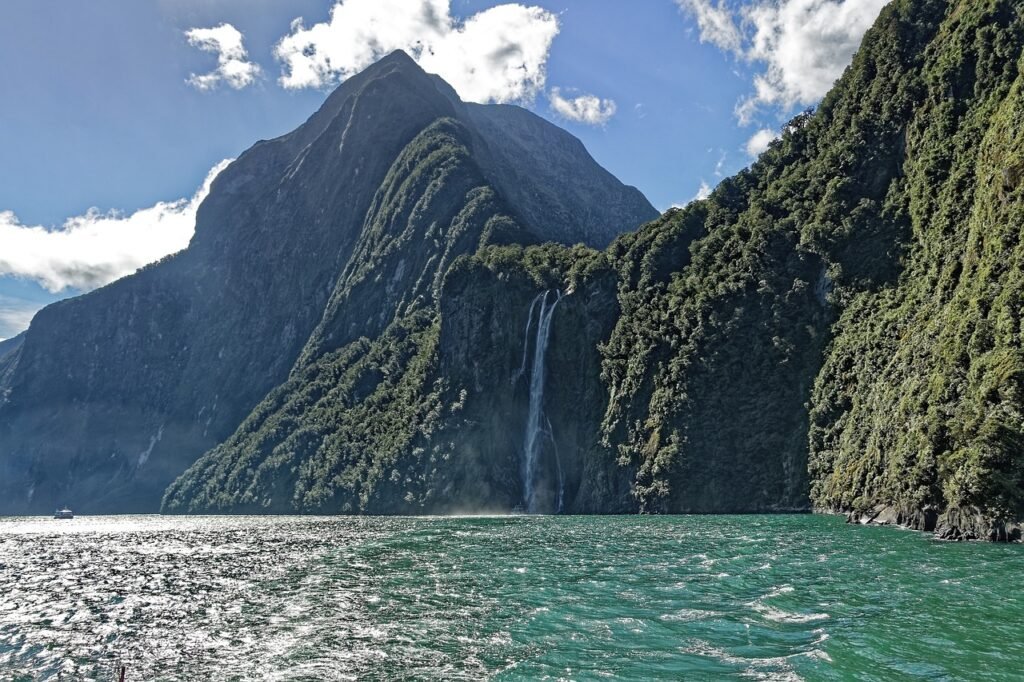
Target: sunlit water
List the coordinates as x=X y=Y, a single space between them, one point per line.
x=783 y=597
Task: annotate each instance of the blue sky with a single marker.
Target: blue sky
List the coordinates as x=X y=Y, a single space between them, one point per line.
x=109 y=106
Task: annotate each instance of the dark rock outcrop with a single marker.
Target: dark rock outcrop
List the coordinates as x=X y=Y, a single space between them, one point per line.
x=974 y=524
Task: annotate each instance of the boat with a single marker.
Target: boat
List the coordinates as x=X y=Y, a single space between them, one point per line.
x=63 y=514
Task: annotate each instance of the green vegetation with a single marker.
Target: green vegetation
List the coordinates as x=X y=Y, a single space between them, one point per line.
x=919 y=403
x=328 y=437
x=873 y=251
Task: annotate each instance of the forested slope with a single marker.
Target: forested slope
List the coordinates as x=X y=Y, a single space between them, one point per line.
x=391 y=297
x=872 y=252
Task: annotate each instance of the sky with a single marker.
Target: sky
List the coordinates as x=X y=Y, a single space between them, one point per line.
x=115 y=115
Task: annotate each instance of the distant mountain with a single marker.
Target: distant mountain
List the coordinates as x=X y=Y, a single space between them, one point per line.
x=332 y=233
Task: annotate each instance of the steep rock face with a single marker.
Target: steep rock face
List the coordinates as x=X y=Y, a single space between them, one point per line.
x=431 y=417
x=919 y=404
x=363 y=384
x=492 y=311
x=867 y=267
x=549 y=192
x=115 y=393
x=11 y=344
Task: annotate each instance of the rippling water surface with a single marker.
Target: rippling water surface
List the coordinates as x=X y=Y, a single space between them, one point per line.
x=299 y=598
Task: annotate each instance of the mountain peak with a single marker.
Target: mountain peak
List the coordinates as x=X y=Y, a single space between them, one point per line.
x=399 y=57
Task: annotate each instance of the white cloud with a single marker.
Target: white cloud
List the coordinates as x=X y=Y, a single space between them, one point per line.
x=760 y=140
x=801 y=46
x=704 y=192
x=233 y=65
x=497 y=55
x=720 y=166
x=805 y=46
x=96 y=248
x=716 y=24
x=582 y=108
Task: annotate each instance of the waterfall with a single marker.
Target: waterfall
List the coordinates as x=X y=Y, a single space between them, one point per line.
x=532 y=441
x=558 y=464
x=526 y=339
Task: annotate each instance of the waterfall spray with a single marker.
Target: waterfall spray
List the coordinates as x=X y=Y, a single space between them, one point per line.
x=532 y=438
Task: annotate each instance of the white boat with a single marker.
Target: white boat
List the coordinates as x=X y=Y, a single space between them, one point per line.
x=63 y=514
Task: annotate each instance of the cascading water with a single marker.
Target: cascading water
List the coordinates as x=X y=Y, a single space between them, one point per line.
x=532 y=440
x=558 y=464
x=526 y=339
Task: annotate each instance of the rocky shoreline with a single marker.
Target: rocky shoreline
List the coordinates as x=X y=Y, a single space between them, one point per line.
x=955 y=524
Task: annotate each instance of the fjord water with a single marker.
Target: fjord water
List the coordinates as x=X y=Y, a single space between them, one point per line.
x=301 y=598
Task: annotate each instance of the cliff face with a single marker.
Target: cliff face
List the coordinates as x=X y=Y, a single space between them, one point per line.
x=854 y=303
x=301 y=248
x=919 y=407
x=434 y=415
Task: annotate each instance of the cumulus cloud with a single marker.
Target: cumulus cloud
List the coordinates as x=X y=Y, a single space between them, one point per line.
x=91 y=250
x=760 y=141
x=716 y=24
x=233 y=65
x=805 y=45
x=801 y=46
x=582 y=108
x=497 y=55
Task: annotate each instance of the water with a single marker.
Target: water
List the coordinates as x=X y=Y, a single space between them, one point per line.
x=526 y=339
x=300 y=598
x=534 y=433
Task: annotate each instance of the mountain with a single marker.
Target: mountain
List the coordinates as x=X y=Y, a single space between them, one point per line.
x=845 y=331
x=837 y=327
x=336 y=233
x=845 y=334
x=387 y=311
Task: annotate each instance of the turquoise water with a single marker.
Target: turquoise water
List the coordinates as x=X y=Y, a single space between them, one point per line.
x=299 y=598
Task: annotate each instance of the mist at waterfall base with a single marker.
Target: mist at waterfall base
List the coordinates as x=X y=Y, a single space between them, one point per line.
x=511 y=598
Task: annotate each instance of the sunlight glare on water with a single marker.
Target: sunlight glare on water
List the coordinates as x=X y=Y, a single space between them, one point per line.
x=334 y=598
